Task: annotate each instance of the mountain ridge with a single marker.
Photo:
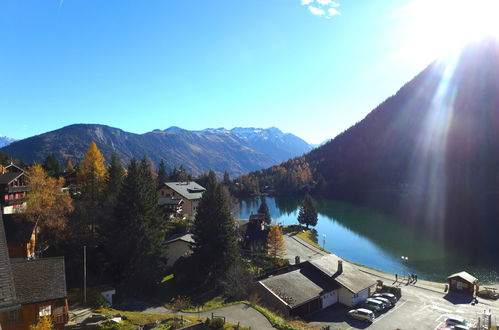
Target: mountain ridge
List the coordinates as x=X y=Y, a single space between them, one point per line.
x=197 y=151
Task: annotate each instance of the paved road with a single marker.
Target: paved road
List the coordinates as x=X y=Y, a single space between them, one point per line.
x=297 y=247
x=246 y=315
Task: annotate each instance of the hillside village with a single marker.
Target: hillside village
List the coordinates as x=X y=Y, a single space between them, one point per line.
x=146 y=238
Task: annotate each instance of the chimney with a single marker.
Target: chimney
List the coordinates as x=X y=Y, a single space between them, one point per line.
x=340 y=267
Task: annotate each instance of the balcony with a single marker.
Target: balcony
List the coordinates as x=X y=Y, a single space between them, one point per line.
x=17 y=201
x=17 y=189
x=60 y=315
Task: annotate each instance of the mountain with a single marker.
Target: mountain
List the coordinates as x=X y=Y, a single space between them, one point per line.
x=197 y=151
x=5 y=141
x=428 y=154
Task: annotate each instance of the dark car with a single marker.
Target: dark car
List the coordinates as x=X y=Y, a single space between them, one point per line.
x=390 y=296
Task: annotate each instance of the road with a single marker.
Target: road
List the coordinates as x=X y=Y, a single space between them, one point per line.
x=246 y=315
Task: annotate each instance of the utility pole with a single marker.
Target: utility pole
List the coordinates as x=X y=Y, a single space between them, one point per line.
x=84 y=273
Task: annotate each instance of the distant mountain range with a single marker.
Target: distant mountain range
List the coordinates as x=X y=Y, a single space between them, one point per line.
x=5 y=141
x=428 y=154
x=238 y=151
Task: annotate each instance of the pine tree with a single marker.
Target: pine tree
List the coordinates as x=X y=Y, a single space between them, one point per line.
x=51 y=165
x=227 y=181
x=115 y=177
x=215 y=248
x=135 y=243
x=275 y=242
x=307 y=215
x=162 y=174
x=264 y=209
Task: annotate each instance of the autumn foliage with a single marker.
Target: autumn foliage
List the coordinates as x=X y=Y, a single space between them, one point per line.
x=275 y=241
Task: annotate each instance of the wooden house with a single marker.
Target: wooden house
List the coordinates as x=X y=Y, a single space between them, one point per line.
x=13 y=191
x=462 y=282
x=30 y=289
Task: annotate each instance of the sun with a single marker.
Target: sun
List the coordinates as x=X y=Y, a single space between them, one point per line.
x=433 y=28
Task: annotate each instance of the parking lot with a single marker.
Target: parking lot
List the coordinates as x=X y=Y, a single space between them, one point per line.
x=417 y=309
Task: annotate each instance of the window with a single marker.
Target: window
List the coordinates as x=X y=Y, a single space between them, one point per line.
x=45 y=310
x=15 y=316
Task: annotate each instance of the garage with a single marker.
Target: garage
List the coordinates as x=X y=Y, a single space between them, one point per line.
x=462 y=282
x=329 y=299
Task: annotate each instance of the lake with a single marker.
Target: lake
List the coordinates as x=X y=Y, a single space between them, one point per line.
x=364 y=236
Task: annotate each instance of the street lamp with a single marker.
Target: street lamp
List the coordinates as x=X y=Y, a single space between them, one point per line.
x=404 y=261
x=323 y=241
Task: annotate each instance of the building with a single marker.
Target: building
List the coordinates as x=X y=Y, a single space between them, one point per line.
x=189 y=192
x=179 y=245
x=314 y=285
x=171 y=207
x=462 y=282
x=13 y=190
x=30 y=289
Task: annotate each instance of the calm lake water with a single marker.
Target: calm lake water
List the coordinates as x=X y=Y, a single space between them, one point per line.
x=364 y=236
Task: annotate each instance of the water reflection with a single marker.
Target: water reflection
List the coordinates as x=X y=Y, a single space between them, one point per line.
x=364 y=236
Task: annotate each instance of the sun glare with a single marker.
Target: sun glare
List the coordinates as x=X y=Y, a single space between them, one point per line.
x=437 y=27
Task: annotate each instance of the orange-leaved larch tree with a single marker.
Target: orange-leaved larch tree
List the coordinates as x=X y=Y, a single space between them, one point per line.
x=275 y=241
x=92 y=172
x=44 y=323
x=47 y=205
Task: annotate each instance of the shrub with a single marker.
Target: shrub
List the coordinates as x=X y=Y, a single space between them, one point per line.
x=215 y=323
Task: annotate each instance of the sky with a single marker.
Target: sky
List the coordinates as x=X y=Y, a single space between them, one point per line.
x=309 y=67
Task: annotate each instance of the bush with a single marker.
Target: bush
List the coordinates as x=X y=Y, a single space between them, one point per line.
x=215 y=323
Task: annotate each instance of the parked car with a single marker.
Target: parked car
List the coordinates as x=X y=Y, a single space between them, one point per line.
x=390 y=296
x=362 y=314
x=373 y=305
x=488 y=293
x=384 y=300
x=455 y=320
x=384 y=305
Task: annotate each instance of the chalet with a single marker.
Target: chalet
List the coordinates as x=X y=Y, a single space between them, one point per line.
x=314 y=285
x=189 y=192
x=462 y=282
x=13 y=190
x=30 y=289
x=179 y=245
x=21 y=238
x=253 y=235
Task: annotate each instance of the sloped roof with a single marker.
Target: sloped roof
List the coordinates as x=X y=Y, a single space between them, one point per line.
x=351 y=277
x=7 y=287
x=7 y=178
x=298 y=287
x=39 y=280
x=465 y=276
x=169 y=201
x=186 y=237
x=189 y=190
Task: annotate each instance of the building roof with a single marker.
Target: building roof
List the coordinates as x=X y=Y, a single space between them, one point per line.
x=185 y=237
x=7 y=287
x=39 y=280
x=298 y=287
x=351 y=277
x=7 y=178
x=465 y=276
x=189 y=190
x=169 y=201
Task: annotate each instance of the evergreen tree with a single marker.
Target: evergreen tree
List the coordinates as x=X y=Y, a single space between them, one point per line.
x=307 y=215
x=51 y=165
x=162 y=174
x=264 y=209
x=227 y=181
x=115 y=177
x=4 y=159
x=135 y=243
x=215 y=248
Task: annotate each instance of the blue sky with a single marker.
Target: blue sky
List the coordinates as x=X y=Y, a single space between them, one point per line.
x=312 y=68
